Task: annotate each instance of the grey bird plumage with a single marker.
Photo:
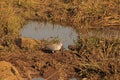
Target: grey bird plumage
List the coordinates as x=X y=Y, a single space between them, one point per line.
x=54 y=46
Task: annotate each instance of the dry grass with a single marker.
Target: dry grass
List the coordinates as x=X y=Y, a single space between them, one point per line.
x=99 y=57
x=76 y=13
x=10 y=21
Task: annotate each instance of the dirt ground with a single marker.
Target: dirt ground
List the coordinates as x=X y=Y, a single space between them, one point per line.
x=35 y=64
x=62 y=65
x=86 y=61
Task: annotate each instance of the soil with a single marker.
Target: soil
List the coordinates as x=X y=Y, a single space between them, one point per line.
x=8 y=72
x=51 y=66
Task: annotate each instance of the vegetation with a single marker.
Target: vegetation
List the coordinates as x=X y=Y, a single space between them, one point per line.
x=76 y=13
x=99 y=57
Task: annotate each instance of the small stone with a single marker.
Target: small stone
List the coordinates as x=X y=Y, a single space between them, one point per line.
x=26 y=42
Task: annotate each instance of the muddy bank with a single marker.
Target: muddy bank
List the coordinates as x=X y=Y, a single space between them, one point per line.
x=46 y=65
x=93 y=58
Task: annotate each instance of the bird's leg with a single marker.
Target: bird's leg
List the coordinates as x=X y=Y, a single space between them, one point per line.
x=62 y=50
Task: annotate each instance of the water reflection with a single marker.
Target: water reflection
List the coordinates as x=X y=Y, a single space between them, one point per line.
x=101 y=33
x=37 y=30
x=66 y=35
